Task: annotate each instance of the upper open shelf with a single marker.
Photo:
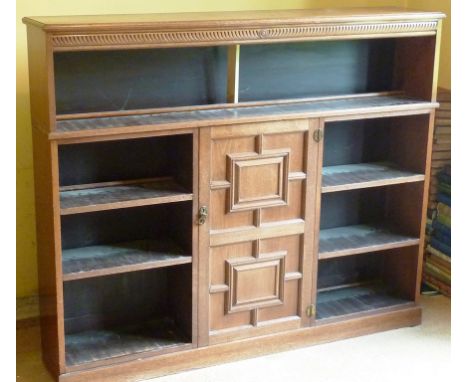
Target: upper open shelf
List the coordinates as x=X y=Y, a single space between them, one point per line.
x=323 y=107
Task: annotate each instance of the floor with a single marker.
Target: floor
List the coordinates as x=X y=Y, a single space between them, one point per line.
x=419 y=353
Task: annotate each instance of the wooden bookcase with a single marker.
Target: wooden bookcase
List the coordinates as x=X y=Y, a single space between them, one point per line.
x=219 y=185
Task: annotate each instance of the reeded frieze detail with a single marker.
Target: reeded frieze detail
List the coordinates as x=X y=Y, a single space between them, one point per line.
x=103 y=40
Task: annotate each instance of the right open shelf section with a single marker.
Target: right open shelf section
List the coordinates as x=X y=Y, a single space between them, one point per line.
x=372 y=196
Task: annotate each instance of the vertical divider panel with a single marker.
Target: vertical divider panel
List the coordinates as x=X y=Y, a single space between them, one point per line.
x=233 y=73
x=316 y=125
x=313 y=165
x=195 y=237
x=58 y=251
x=204 y=175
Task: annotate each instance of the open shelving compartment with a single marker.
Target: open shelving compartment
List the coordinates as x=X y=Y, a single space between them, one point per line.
x=366 y=283
x=117 y=241
x=119 y=174
x=370 y=221
x=126 y=233
x=128 y=314
x=368 y=249
x=374 y=152
x=373 y=175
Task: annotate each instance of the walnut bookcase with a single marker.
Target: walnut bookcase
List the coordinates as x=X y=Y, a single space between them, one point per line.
x=219 y=185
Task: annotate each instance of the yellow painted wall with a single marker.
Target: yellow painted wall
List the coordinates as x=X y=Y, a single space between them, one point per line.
x=443 y=6
x=26 y=278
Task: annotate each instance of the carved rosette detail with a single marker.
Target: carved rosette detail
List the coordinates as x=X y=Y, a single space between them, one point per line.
x=236 y=35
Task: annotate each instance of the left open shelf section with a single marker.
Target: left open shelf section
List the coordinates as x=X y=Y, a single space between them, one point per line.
x=127 y=241
x=111 y=318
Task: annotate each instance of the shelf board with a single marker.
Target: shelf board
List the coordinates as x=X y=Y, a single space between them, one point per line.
x=96 y=345
x=355 y=299
x=102 y=260
x=364 y=175
x=355 y=239
x=113 y=195
x=92 y=124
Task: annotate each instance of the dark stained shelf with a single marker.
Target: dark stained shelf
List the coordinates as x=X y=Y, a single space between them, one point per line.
x=108 y=196
x=363 y=175
x=355 y=299
x=355 y=239
x=70 y=127
x=101 y=260
x=95 y=345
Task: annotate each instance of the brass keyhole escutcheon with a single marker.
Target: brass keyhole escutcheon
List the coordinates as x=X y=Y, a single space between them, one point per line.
x=318 y=135
x=202 y=215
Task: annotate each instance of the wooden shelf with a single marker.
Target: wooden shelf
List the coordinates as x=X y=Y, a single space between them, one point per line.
x=113 y=195
x=355 y=239
x=102 y=260
x=95 y=345
x=354 y=299
x=363 y=175
x=75 y=126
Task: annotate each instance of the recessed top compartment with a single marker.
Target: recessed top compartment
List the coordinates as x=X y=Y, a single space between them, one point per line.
x=319 y=68
x=138 y=79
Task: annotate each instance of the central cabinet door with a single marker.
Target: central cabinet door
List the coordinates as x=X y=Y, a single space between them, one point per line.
x=258 y=191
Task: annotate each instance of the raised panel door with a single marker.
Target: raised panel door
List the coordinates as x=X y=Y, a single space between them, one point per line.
x=258 y=181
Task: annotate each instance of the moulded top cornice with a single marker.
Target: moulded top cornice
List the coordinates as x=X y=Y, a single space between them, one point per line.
x=193 y=20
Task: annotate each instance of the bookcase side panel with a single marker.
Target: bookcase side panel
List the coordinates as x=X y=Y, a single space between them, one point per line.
x=46 y=198
x=48 y=250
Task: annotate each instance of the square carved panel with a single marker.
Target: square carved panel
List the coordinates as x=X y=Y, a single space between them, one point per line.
x=255 y=282
x=258 y=180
